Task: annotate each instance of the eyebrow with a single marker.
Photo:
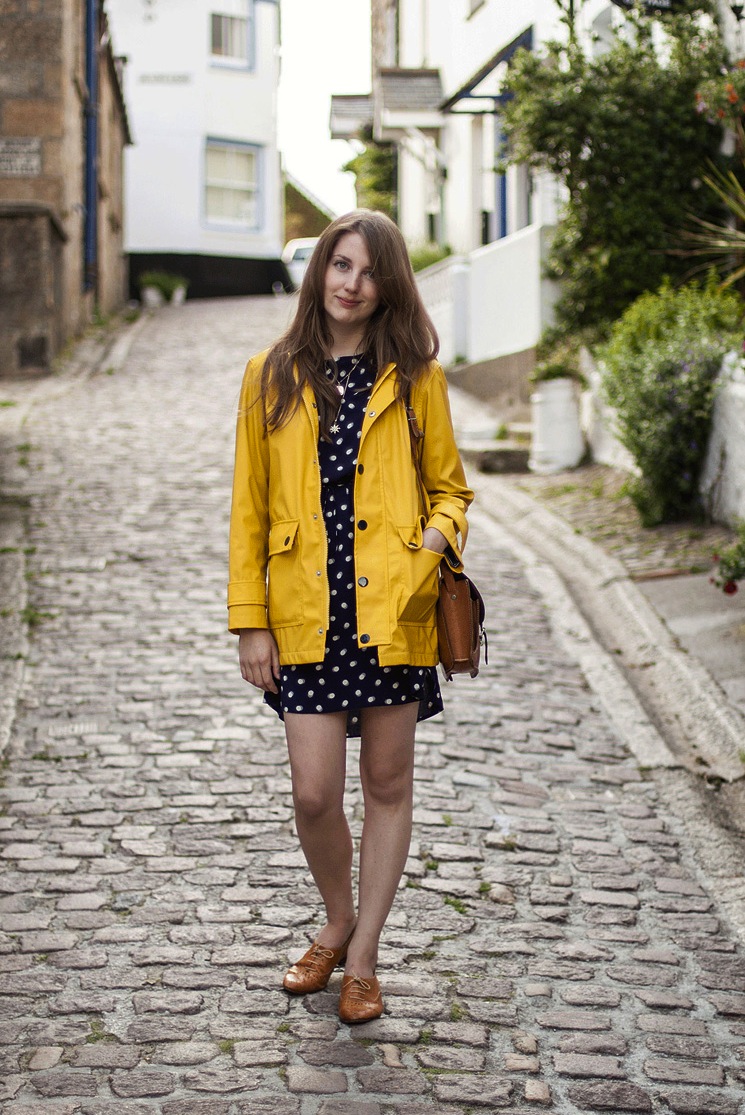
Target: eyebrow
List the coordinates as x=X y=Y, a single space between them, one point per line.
x=340 y=255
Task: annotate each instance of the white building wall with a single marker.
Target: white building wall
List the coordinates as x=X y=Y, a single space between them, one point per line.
x=462 y=186
x=412 y=187
x=178 y=96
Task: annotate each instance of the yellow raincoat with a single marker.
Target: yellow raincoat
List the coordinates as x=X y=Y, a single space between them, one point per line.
x=277 y=575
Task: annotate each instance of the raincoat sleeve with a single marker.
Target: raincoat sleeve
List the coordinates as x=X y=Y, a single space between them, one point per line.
x=249 y=515
x=442 y=469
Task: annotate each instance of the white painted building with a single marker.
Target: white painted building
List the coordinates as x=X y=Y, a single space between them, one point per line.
x=438 y=72
x=203 y=180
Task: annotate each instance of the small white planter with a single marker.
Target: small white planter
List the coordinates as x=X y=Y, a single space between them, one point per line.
x=151 y=297
x=557 y=436
x=179 y=296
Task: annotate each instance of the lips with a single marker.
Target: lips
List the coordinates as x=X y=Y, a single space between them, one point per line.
x=347 y=303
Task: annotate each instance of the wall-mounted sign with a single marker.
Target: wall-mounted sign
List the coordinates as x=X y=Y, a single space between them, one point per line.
x=652 y=5
x=20 y=158
x=165 y=79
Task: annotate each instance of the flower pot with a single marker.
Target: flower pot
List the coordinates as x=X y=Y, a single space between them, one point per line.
x=179 y=296
x=151 y=297
x=557 y=436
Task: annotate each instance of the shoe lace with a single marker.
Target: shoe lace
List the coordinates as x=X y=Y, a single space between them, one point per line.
x=317 y=957
x=358 y=987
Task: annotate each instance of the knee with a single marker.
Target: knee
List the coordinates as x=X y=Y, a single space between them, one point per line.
x=312 y=804
x=388 y=788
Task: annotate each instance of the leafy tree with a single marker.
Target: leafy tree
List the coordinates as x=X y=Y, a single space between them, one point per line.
x=622 y=133
x=375 y=174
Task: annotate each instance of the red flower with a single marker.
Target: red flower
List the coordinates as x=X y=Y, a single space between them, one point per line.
x=730 y=588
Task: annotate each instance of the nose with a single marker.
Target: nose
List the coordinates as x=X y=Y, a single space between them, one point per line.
x=353 y=280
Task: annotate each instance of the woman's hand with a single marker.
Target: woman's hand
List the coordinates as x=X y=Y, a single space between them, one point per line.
x=434 y=539
x=259 y=658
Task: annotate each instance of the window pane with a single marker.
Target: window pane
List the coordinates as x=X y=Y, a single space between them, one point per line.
x=231 y=184
x=217 y=163
x=229 y=36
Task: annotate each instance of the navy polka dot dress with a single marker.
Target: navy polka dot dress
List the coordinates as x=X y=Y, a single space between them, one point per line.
x=349 y=679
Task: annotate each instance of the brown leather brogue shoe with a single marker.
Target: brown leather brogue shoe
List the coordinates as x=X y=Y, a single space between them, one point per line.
x=313 y=970
x=360 y=999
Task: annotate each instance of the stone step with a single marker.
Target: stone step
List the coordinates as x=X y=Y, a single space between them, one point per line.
x=496 y=456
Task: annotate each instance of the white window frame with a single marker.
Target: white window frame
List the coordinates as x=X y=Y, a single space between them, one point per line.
x=235 y=224
x=234 y=13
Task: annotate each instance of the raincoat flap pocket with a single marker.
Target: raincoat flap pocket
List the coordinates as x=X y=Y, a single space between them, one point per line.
x=411 y=536
x=282 y=536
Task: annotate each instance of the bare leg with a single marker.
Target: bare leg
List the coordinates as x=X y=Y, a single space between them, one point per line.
x=387 y=774
x=317 y=749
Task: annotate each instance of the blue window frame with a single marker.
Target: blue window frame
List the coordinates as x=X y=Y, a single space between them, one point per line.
x=232 y=31
x=232 y=191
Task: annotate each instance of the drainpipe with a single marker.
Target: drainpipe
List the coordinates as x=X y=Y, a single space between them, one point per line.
x=90 y=245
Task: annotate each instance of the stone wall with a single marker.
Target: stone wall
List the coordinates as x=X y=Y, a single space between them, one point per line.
x=43 y=97
x=31 y=247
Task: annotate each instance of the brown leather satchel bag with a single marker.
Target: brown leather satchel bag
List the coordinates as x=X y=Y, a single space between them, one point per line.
x=460 y=623
x=460 y=608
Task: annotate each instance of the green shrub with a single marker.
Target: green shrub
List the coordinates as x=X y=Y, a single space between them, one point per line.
x=164 y=281
x=660 y=373
x=424 y=255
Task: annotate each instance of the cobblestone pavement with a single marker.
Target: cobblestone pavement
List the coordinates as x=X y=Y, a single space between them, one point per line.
x=554 y=946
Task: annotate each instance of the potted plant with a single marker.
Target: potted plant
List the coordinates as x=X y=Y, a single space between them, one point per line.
x=157 y=287
x=557 y=434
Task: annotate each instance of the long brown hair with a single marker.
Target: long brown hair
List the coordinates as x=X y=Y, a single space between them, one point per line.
x=399 y=331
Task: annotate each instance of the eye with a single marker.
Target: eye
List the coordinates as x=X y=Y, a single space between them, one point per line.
x=341 y=264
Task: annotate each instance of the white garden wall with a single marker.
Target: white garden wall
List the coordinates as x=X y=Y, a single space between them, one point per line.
x=509 y=301
x=444 y=291
x=723 y=478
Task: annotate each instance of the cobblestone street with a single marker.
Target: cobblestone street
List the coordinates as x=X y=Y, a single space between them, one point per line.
x=555 y=946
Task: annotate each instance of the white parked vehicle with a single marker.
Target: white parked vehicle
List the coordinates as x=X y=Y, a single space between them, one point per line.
x=295 y=256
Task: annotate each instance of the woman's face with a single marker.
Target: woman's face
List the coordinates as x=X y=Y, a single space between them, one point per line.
x=350 y=293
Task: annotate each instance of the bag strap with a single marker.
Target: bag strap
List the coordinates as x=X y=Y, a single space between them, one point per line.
x=415 y=436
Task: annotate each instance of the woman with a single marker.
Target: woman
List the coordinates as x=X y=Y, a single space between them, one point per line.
x=333 y=569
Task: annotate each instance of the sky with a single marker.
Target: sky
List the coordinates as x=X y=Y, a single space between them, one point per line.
x=325 y=50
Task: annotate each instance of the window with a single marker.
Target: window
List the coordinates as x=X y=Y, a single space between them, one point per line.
x=232 y=184
x=231 y=33
x=229 y=36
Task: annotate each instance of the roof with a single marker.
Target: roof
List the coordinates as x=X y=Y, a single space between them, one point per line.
x=316 y=202
x=349 y=114
x=410 y=90
x=466 y=91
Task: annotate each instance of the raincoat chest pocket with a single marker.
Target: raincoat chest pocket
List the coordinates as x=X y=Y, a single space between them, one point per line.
x=420 y=578
x=285 y=583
